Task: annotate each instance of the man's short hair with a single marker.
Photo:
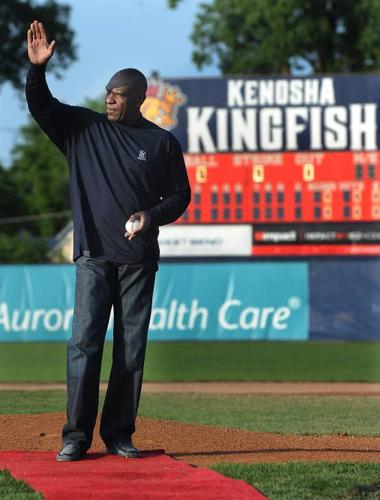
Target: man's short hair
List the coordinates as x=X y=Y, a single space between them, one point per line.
x=131 y=77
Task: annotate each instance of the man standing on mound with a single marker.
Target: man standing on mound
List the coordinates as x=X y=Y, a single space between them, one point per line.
x=122 y=168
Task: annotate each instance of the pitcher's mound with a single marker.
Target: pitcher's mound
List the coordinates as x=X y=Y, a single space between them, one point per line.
x=195 y=444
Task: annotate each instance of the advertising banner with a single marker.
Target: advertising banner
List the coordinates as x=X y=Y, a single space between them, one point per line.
x=231 y=301
x=36 y=302
x=280 y=150
x=192 y=301
x=205 y=240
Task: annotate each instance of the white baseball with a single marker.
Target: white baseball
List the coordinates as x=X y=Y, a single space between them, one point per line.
x=132 y=225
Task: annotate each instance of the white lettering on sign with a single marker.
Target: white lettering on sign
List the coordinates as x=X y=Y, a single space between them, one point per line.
x=252 y=318
x=363 y=126
x=50 y=320
x=276 y=129
x=198 y=123
x=178 y=316
x=336 y=135
x=280 y=92
x=285 y=114
x=232 y=315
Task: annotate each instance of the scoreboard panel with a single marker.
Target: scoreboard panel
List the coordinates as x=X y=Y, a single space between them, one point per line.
x=284 y=187
x=294 y=201
x=295 y=158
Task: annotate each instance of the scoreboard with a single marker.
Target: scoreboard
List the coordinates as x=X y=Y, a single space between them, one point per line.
x=297 y=203
x=296 y=158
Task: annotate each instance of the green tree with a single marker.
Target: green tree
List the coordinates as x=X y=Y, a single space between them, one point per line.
x=22 y=247
x=11 y=203
x=17 y=243
x=15 y=18
x=96 y=104
x=273 y=36
x=40 y=176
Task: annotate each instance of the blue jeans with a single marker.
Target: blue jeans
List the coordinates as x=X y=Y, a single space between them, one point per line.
x=100 y=285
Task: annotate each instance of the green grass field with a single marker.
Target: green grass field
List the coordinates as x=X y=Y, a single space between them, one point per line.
x=203 y=361
x=233 y=361
x=10 y=489
x=302 y=415
x=303 y=480
x=281 y=414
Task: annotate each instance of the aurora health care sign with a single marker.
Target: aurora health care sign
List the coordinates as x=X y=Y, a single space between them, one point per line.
x=192 y=301
x=231 y=301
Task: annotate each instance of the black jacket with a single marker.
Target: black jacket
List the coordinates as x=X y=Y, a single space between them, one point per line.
x=115 y=171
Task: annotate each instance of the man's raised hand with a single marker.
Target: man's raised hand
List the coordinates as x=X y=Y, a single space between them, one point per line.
x=39 y=49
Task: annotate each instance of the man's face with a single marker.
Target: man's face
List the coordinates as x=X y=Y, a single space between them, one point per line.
x=122 y=103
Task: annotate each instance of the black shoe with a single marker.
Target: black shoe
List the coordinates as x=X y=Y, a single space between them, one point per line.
x=71 y=452
x=123 y=449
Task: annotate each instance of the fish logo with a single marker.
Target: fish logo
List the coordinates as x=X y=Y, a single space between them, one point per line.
x=162 y=103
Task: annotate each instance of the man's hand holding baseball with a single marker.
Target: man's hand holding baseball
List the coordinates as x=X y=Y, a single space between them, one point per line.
x=39 y=49
x=144 y=220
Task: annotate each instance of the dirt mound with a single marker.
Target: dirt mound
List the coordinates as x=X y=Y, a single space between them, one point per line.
x=196 y=444
x=322 y=388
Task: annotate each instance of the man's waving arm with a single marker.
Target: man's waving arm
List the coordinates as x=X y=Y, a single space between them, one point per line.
x=53 y=117
x=42 y=105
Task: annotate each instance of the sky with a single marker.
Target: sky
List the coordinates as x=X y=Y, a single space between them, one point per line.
x=110 y=35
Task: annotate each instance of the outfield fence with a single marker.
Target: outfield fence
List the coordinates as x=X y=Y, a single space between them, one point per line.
x=291 y=301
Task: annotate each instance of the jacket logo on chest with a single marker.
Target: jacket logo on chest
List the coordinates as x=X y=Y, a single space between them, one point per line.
x=142 y=155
